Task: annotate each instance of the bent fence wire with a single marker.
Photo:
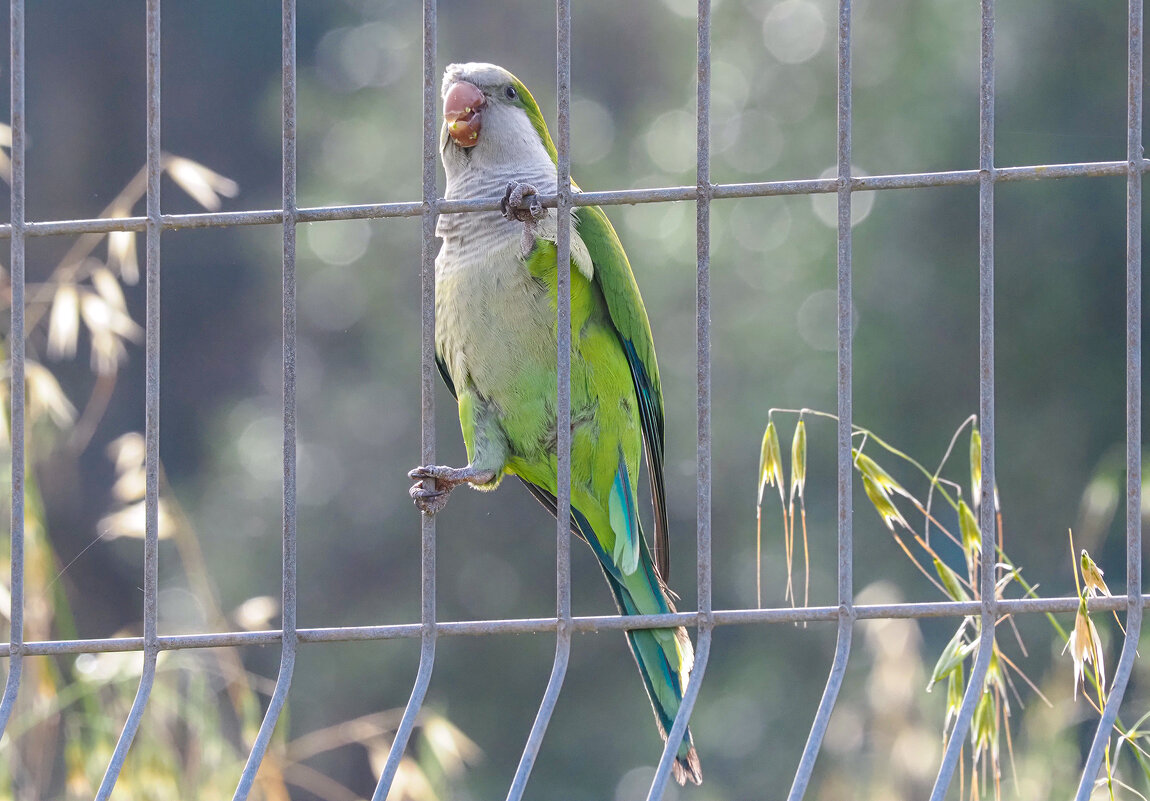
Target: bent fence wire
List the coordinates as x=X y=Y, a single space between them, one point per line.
x=563 y=624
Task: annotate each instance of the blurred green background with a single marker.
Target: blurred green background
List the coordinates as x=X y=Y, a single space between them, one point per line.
x=1060 y=290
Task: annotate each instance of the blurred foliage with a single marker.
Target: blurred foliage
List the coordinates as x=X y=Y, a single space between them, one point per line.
x=203 y=711
x=954 y=523
x=1059 y=248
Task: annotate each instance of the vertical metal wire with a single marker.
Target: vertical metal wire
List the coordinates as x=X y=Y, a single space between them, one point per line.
x=974 y=688
x=845 y=418
x=151 y=408
x=16 y=365
x=704 y=191
x=1134 y=161
x=427 y=393
x=563 y=407
x=704 y=194
x=289 y=637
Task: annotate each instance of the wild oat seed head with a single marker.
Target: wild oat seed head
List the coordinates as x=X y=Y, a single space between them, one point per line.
x=799 y=460
x=770 y=460
x=870 y=468
x=1085 y=646
x=968 y=527
x=882 y=503
x=975 y=467
x=1092 y=577
x=955 y=686
x=950 y=581
x=952 y=657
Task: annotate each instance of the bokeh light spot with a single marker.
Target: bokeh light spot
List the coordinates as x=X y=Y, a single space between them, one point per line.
x=793 y=31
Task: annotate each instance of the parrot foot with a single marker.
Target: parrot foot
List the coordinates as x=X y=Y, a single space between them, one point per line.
x=513 y=203
x=520 y=203
x=434 y=483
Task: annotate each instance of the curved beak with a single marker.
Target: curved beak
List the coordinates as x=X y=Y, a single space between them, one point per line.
x=462 y=113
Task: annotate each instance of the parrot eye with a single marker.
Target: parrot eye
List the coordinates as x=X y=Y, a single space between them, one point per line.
x=510 y=93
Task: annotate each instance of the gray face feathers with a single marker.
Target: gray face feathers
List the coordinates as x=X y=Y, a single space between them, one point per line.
x=491 y=124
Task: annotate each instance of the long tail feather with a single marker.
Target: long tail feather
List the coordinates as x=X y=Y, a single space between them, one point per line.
x=664 y=664
x=662 y=678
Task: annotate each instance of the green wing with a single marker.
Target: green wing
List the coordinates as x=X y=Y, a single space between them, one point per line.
x=617 y=283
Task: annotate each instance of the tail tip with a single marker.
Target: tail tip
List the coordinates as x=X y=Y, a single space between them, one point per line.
x=688 y=768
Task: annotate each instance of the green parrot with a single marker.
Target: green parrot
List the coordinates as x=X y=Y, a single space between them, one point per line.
x=496 y=341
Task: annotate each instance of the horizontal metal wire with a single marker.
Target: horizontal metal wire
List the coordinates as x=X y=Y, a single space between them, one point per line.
x=617 y=197
x=584 y=624
x=563 y=624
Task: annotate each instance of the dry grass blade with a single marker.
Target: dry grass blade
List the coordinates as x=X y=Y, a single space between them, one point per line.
x=411 y=783
x=349 y=732
x=127 y=451
x=453 y=749
x=122 y=254
x=46 y=397
x=108 y=327
x=129 y=522
x=205 y=186
x=129 y=485
x=108 y=288
x=100 y=315
x=64 y=322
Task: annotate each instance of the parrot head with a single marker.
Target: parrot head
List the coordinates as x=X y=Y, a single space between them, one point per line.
x=490 y=117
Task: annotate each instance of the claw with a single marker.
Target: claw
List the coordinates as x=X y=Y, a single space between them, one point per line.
x=513 y=203
x=521 y=203
x=428 y=500
x=433 y=471
x=431 y=488
x=434 y=483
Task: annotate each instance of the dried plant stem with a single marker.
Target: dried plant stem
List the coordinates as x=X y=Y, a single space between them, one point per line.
x=759 y=556
x=74 y=265
x=789 y=543
x=806 y=556
x=93 y=412
x=349 y=732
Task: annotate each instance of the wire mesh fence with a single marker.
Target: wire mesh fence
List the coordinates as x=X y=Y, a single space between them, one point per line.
x=563 y=624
